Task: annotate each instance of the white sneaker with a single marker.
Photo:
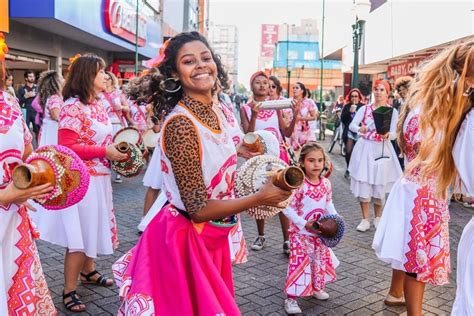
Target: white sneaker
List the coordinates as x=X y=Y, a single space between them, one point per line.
x=364 y=225
x=259 y=243
x=321 y=295
x=118 y=179
x=376 y=222
x=291 y=306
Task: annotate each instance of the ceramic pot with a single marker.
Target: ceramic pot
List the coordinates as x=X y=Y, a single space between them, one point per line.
x=30 y=175
x=253 y=143
x=289 y=178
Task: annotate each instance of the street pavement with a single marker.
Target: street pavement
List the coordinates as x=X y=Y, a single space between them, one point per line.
x=362 y=280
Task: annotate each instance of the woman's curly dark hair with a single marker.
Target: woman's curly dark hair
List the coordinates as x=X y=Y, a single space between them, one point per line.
x=150 y=88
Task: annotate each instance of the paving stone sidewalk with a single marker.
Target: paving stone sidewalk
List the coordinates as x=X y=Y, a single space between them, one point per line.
x=362 y=280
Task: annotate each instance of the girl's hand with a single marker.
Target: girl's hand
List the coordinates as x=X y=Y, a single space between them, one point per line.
x=363 y=129
x=12 y=194
x=309 y=227
x=271 y=195
x=111 y=153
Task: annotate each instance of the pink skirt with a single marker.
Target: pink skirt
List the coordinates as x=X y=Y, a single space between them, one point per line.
x=177 y=268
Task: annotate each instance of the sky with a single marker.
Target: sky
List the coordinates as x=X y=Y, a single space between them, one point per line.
x=394 y=29
x=249 y=15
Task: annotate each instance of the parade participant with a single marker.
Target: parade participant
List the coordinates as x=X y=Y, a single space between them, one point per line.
x=191 y=273
x=50 y=100
x=253 y=119
x=116 y=106
x=312 y=264
x=137 y=116
x=88 y=228
x=23 y=288
x=308 y=113
x=274 y=93
x=402 y=85
x=413 y=235
x=371 y=179
x=354 y=101
x=9 y=85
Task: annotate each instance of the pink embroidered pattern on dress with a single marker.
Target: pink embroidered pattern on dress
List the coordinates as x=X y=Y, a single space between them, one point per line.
x=428 y=254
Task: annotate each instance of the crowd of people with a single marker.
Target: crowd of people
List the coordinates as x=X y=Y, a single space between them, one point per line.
x=191 y=213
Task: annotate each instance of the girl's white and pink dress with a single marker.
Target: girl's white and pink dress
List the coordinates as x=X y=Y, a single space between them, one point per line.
x=413 y=234
x=372 y=178
x=302 y=133
x=268 y=120
x=23 y=288
x=90 y=225
x=311 y=264
x=179 y=267
x=462 y=154
x=49 y=129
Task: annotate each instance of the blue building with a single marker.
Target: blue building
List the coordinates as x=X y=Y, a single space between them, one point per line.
x=301 y=55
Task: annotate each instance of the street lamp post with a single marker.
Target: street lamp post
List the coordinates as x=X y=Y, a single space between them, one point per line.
x=136 y=40
x=288 y=71
x=321 y=74
x=361 y=10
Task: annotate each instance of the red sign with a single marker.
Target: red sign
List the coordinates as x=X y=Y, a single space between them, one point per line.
x=120 y=20
x=403 y=69
x=269 y=38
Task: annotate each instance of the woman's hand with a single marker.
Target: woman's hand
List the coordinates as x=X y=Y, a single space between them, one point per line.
x=255 y=107
x=363 y=129
x=244 y=152
x=111 y=153
x=385 y=136
x=12 y=194
x=271 y=195
x=295 y=107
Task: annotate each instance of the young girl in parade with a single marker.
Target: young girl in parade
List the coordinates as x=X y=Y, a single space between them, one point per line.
x=23 y=288
x=372 y=177
x=181 y=264
x=253 y=119
x=50 y=99
x=311 y=264
x=413 y=234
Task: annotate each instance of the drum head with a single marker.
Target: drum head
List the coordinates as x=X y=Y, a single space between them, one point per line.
x=150 y=138
x=128 y=134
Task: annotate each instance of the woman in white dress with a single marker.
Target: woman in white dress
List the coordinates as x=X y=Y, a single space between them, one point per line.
x=23 y=288
x=372 y=178
x=50 y=99
x=413 y=235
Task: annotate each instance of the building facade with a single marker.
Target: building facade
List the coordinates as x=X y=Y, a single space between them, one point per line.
x=297 y=58
x=225 y=42
x=44 y=34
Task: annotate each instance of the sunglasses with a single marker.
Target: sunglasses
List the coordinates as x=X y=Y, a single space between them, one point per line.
x=354 y=96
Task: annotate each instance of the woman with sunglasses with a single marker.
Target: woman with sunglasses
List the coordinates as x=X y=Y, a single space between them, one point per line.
x=354 y=102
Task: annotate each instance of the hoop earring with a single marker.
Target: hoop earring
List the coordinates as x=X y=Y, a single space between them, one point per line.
x=468 y=92
x=176 y=81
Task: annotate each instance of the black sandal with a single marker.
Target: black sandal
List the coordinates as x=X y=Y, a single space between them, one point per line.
x=101 y=280
x=75 y=301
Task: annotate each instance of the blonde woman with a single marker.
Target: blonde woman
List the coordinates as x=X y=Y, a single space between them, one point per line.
x=413 y=235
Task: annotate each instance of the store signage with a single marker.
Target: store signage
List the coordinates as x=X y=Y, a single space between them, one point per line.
x=120 y=20
x=269 y=37
x=403 y=69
